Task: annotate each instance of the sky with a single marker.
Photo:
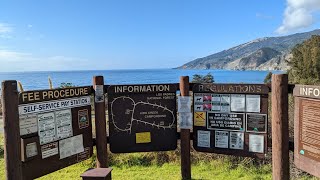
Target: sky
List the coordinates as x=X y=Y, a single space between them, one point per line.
x=62 y=35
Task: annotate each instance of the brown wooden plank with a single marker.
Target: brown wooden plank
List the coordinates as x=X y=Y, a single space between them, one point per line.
x=185 y=135
x=12 y=147
x=101 y=132
x=280 y=132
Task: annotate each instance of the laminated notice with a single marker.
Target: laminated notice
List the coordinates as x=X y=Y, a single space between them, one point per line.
x=71 y=146
x=143 y=137
x=204 y=139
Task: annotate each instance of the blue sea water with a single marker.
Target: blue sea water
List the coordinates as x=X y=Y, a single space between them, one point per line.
x=39 y=80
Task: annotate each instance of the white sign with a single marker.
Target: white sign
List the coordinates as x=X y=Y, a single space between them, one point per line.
x=238 y=102
x=256 y=143
x=49 y=150
x=31 y=149
x=28 y=124
x=236 y=140
x=253 y=103
x=204 y=139
x=225 y=103
x=46 y=127
x=185 y=120
x=221 y=139
x=99 y=93
x=184 y=104
x=71 y=146
x=64 y=123
x=216 y=100
x=54 y=105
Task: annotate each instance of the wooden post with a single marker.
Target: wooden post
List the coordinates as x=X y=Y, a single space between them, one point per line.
x=12 y=146
x=100 y=123
x=280 y=127
x=185 y=136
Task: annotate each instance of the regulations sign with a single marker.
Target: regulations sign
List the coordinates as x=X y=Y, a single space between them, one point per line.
x=307 y=128
x=230 y=119
x=55 y=129
x=142 y=118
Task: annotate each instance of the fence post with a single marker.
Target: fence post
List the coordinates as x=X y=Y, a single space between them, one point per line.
x=100 y=123
x=185 y=136
x=280 y=127
x=12 y=146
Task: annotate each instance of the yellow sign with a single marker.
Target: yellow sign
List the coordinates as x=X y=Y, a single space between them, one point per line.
x=200 y=119
x=143 y=137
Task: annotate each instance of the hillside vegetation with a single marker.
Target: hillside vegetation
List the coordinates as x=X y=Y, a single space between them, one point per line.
x=269 y=53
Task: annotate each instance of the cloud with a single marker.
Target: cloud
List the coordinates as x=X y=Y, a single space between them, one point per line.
x=5 y=31
x=20 y=61
x=298 y=14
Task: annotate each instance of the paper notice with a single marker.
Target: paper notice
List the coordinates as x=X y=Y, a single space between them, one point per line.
x=31 y=149
x=236 y=140
x=99 y=93
x=50 y=149
x=143 y=137
x=83 y=118
x=28 y=124
x=64 y=123
x=238 y=102
x=46 y=127
x=225 y=103
x=256 y=143
x=184 y=104
x=200 y=119
x=253 y=103
x=221 y=139
x=216 y=99
x=204 y=139
x=71 y=146
x=185 y=120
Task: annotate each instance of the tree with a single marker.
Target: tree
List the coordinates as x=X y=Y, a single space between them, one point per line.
x=66 y=85
x=202 y=79
x=305 y=62
x=267 y=79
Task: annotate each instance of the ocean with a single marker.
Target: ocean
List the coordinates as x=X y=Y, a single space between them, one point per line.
x=39 y=80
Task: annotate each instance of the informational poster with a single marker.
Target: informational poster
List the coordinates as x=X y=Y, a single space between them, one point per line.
x=64 y=123
x=31 y=149
x=256 y=123
x=238 y=102
x=230 y=113
x=256 y=143
x=99 y=93
x=71 y=146
x=200 y=119
x=253 y=103
x=184 y=104
x=216 y=102
x=204 y=139
x=221 y=139
x=185 y=120
x=28 y=124
x=47 y=116
x=152 y=108
x=83 y=119
x=236 y=140
x=226 y=121
x=225 y=103
x=49 y=150
x=143 y=137
x=46 y=127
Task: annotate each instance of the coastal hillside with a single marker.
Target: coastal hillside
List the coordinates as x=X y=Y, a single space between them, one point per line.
x=269 y=53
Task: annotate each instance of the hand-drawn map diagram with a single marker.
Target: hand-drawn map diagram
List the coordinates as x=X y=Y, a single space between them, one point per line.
x=231 y=119
x=142 y=118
